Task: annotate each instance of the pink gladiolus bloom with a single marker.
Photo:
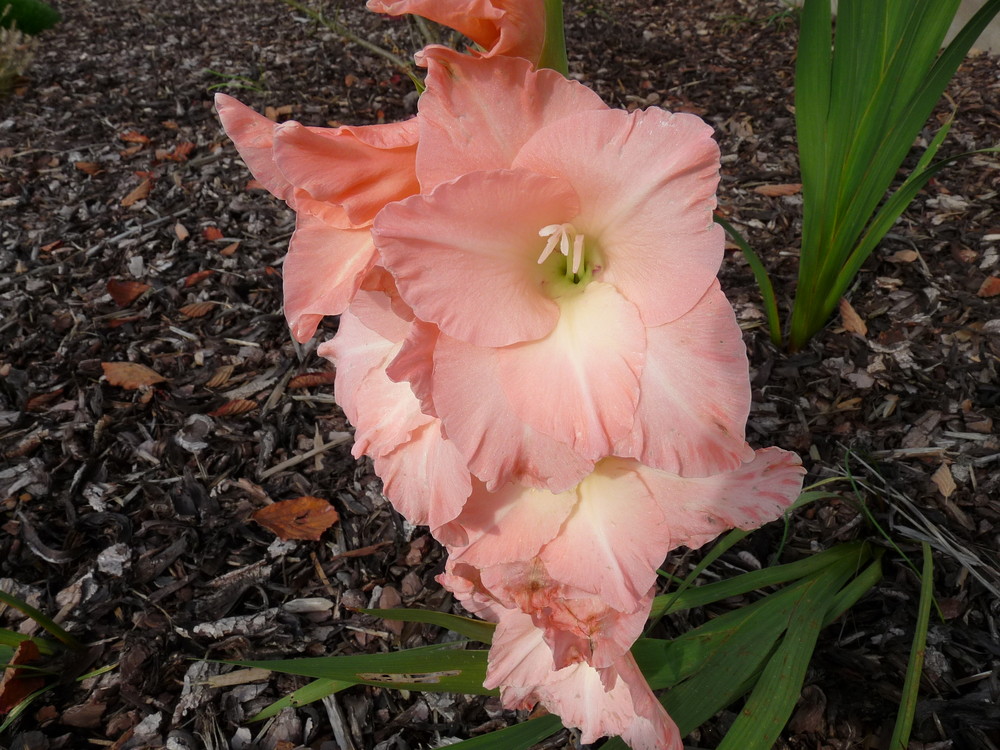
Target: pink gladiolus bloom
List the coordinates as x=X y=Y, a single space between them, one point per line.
x=336 y=180
x=424 y=475
x=566 y=253
x=515 y=28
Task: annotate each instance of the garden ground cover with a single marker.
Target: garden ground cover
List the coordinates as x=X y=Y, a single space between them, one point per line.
x=126 y=507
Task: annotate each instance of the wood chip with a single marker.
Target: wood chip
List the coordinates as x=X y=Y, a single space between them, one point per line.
x=944 y=481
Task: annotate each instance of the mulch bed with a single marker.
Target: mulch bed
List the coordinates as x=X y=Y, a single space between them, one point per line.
x=128 y=234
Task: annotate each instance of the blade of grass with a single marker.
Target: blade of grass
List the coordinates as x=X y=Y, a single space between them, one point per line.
x=911 y=686
x=474 y=630
x=518 y=737
x=763 y=280
x=771 y=703
x=314 y=691
x=42 y=619
x=440 y=668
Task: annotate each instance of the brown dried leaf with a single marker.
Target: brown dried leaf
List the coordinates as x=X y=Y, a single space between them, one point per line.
x=234 y=408
x=990 y=287
x=312 y=379
x=197 y=309
x=229 y=249
x=903 y=256
x=133 y=136
x=124 y=293
x=140 y=193
x=852 y=321
x=16 y=684
x=212 y=233
x=130 y=375
x=89 y=167
x=181 y=231
x=197 y=276
x=181 y=151
x=944 y=481
x=302 y=518
x=774 y=191
x=220 y=377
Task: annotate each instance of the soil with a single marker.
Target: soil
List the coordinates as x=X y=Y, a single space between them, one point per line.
x=129 y=233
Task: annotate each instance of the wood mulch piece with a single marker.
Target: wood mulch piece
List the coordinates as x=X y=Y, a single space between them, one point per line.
x=131 y=233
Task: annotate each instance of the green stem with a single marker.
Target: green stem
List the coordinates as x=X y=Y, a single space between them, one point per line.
x=554 y=49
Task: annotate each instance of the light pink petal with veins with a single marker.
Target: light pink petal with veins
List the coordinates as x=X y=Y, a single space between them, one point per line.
x=614 y=540
x=480 y=420
x=384 y=414
x=343 y=166
x=646 y=182
x=580 y=384
x=415 y=364
x=520 y=665
x=509 y=525
x=425 y=478
x=477 y=113
x=470 y=249
x=322 y=272
x=754 y=494
x=253 y=135
x=695 y=393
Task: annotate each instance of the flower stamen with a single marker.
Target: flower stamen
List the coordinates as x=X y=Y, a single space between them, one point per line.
x=571 y=245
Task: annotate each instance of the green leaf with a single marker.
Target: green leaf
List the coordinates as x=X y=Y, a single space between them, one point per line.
x=911 y=686
x=444 y=668
x=554 y=47
x=29 y=16
x=474 y=630
x=763 y=280
x=519 y=737
x=44 y=620
x=314 y=691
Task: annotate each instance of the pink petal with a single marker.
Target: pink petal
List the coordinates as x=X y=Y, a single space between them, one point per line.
x=646 y=182
x=580 y=384
x=415 y=364
x=520 y=665
x=477 y=113
x=322 y=272
x=384 y=413
x=470 y=249
x=253 y=135
x=695 y=393
x=754 y=494
x=509 y=525
x=425 y=478
x=360 y=168
x=481 y=422
x=614 y=540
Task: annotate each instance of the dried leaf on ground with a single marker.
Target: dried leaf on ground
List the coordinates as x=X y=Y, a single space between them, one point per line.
x=302 y=518
x=852 y=321
x=130 y=375
x=124 y=293
x=139 y=193
x=775 y=191
x=944 y=481
x=16 y=684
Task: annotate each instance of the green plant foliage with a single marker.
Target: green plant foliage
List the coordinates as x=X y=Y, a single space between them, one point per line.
x=28 y=16
x=859 y=105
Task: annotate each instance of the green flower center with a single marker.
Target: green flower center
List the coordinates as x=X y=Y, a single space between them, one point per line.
x=568 y=259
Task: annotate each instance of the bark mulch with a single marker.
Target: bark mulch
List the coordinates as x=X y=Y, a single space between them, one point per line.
x=129 y=234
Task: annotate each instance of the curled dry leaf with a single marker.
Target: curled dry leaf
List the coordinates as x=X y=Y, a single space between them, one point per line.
x=124 y=293
x=88 y=167
x=229 y=249
x=312 y=379
x=302 y=518
x=16 y=684
x=903 y=256
x=181 y=231
x=140 y=193
x=775 y=191
x=133 y=136
x=197 y=309
x=944 y=481
x=234 y=408
x=212 y=233
x=990 y=287
x=197 y=276
x=220 y=377
x=852 y=321
x=130 y=375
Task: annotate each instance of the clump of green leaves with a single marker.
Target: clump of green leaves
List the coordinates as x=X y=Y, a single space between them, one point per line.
x=30 y=17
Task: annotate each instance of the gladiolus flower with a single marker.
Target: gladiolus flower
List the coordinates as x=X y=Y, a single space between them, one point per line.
x=515 y=28
x=567 y=253
x=336 y=180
